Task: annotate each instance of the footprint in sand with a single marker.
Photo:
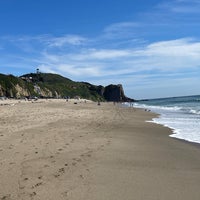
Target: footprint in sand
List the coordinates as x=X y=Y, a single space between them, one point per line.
x=60 y=149
x=60 y=172
x=6 y=197
x=76 y=159
x=74 y=163
x=65 y=194
x=108 y=142
x=11 y=146
x=33 y=194
x=72 y=140
x=56 y=175
x=81 y=176
x=36 y=185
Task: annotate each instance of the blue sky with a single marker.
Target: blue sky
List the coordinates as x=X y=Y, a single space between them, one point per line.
x=151 y=47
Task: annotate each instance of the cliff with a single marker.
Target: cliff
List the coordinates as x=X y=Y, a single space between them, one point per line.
x=115 y=93
x=46 y=85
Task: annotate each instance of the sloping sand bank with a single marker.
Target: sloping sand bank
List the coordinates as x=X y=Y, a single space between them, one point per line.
x=57 y=150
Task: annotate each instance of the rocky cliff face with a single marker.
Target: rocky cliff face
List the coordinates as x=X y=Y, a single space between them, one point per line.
x=115 y=93
x=20 y=91
x=1 y=91
x=56 y=86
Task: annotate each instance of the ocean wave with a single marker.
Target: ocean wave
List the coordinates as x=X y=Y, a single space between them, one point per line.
x=162 y=109
x=170 y=108
x=184 y=129
x=184 y=121
x=197 y=112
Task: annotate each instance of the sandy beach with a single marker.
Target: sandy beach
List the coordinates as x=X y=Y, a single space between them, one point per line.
x=58 y=150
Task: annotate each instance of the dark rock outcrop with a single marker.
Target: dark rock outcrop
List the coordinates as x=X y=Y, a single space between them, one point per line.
x=115 y=93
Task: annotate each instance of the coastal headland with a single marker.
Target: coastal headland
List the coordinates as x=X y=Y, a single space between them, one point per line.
x=79 y=150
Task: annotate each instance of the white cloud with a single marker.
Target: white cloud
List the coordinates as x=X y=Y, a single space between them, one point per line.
x=77 y=70
x=120 y=30
x=181 y=6
x=185 y=48
x=32 y=43
x=66 y=40
x=119 y=26
x=70 y=70
x=101 y=54
x=108 y=54
x=47 y=69
x=169 y=56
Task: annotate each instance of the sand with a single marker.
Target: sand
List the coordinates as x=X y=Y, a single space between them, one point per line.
x=58 y=150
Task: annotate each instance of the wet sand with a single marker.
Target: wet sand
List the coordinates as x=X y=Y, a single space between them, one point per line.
x=53 y=149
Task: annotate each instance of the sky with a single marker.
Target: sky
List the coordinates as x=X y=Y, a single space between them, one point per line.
x=150 y=47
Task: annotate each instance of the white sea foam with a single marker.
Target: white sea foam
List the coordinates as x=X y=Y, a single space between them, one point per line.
x=195 y=111
x=183 y=128
x=175 y=108
x=184 y=121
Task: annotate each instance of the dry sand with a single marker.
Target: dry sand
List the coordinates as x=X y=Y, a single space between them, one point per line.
x=58 y=150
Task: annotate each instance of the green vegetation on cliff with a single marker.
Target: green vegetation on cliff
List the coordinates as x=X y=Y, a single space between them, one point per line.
x=58 y=86
x=10 y=86
x=49 y=85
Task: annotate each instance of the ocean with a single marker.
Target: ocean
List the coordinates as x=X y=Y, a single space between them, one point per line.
x=181 y=114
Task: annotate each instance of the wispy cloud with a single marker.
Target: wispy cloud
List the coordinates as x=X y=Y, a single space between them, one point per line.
x=166 y=56
x=102 y=54
x=32 y=43
x=120 y=30
x=120 y=26
x=72 y=70
x=171 y=56
x=66 y=40
x=181 y=6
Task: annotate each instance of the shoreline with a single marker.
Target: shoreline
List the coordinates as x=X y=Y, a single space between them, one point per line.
x=181 y=117
x=61 y=150
x=171 y=129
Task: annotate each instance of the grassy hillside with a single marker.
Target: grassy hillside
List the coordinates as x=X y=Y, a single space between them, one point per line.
x=49 y=85
x=64 y=86
x=9 y=85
